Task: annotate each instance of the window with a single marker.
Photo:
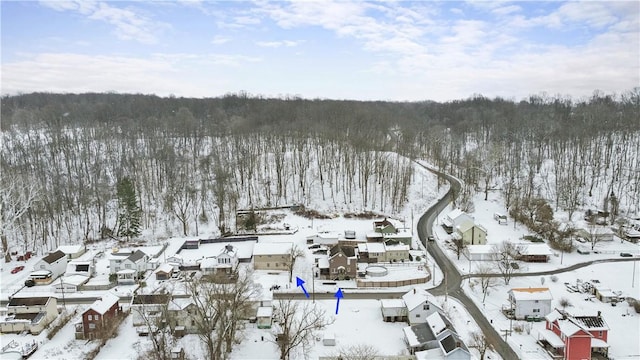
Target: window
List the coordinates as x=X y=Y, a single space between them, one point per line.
x=417 y=315
x=90 y=317
x=348 y=269
x=425 y=307
x=268 y=264
x=127 y=266
x=600 y=334
x=536 y=301
x=97 y=317
x=42 y=267
x=92 y=326
x=536 y=310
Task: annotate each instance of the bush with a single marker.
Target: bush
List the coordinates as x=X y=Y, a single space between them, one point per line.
x=636 y=306
x=554 y=278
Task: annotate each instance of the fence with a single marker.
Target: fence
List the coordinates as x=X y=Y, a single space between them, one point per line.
x=393 y=283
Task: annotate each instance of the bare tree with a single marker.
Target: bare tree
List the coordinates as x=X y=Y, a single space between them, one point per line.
x=219 y=310
x=296 y=253
x=457 y=245
x=297 y=323
x=15 y=201
x=159 y=333
x=487 y=281
x=480 y=343
x=358 y=352
x=504 y=256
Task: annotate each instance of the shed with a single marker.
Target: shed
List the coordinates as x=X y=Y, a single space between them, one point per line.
x=329 y=339
x=164 y=272
x=264 y=317
x=479 y=252
x=605 y=294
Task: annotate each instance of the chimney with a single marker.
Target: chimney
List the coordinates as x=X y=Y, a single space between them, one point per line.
x=599 y=314
x=229 y=247
x=414 y=290
x=457 y=343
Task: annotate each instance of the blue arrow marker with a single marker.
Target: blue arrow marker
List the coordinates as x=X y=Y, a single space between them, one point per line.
x=300 y=283
x=339 y=296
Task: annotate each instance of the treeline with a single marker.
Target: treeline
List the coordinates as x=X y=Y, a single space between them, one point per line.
x=194 y=161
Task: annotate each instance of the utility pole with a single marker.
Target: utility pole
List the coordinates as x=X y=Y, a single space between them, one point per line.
x=446 y=288
x=313 y=284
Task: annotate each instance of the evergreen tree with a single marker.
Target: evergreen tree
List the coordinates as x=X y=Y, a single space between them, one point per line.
x=129 y=212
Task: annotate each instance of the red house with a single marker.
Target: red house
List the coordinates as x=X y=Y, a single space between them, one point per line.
x=97 y=316
x=574 y=337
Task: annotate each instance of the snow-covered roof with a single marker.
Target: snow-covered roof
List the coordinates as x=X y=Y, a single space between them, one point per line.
x=71 y=249
x=436 y=323
x=40 y=273
x=374 y=247
x=265 y=311
x=323 y=262
x=598 y=343
x=401 y=233
x=209 y=263
x=392 y=303
x=373 y=235
x=415 y=298
x=552 y=338
x=105 y=303
x=126 y=271
x=398 y=247
x=165 y=268
x=73 y=280
x=524 y=294
x=553 y=316
x=568 y=327
x=455 y=213
x=536 y=249
x=272 y=248
x=412 y=338
x=179 y=304
x=480 y=249
x=431 y=354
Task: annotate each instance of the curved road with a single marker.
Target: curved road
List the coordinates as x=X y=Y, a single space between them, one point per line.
x=452 y=286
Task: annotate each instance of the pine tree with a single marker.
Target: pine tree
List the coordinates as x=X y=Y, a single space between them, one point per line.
x=129 y=212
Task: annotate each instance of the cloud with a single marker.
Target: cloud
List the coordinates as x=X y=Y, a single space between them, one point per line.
x=162 y=74
x=128 y=24
x=277 y=44
x=219 y=40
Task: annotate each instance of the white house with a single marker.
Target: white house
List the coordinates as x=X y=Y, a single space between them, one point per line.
x=55 y=262
x=264 y=317
x=182 y=311
x=455 y=218
x=530 y=302
x=419 y=306
x=136 y=261
x=479 y=252
x=272 y=256
x=148 y=308
x=31 y=314
x=393 y=310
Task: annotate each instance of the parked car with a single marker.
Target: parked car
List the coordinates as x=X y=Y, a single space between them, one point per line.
x=625 y=254
x=17 y=269
x=430 y=238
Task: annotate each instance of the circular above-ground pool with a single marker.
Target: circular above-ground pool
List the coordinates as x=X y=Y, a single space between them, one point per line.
x=377 y=270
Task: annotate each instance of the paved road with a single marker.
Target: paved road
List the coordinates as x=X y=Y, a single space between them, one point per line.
x=451 y=286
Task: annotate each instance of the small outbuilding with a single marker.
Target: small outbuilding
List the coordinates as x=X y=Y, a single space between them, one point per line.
x=264 y=317
x=329 y=339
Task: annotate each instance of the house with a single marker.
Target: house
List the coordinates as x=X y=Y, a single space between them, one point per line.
x=264 y=317
x=530 y=302
x=329 y=339
x=574 y=337
x=136 y=261
x=372 y=252
x=384 y=227
x=98 y=316
x=164 y=272
x=479 y=252
x=393 y=310
x=419 y=306
x=596 y=233
x=323 y=238
x=176 y=260
x=470 y=233
x=149 y=309
x=191 y=244
x=177 y=353
x=77 y=267
x=373 y=236
x=72 y=251
x=70 y=283
x=455 y=218
x=343 y=262
x=41 y=277
x=605 y=294
x=31 y=314
x=450 y=347
x=401 y=236
x=534 y=253
x=225 y=262
x=396 y=253
x=181 y=312
x=272 y=256
x=56 y=263
x=632 y=235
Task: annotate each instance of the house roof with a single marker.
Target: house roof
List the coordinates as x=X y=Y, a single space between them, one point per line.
x=179 y=304
x=567 y=327
x=455 y=213
x=411 y=334
x=481 y=249
x=536 y=249
x=592 y=322
x=139 y=254
x=265 y=311
x=209 y=263
x=54 y=256
x=29 y=301
x=436 y=323
x=382 y=223
x=413 y=300
x=375 y=247
x=552 y=338
x=451 y=343
x=145 y=299
x=230 y=250
x=348 y=251
x=278 y=248
x=523 y=294
x=164 y=268
x=392 y=303
x=76 y=280
x=70 y=249
x=323 y=262
x=105 y=303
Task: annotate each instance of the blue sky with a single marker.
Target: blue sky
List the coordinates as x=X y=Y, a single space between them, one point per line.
x=395 y=50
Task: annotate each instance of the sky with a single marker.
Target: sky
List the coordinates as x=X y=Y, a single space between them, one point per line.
x=393 y=50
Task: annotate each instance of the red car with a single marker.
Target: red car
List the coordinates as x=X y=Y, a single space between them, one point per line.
x=17 y=269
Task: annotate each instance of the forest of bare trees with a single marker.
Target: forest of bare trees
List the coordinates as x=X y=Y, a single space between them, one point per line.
x=196 y=161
